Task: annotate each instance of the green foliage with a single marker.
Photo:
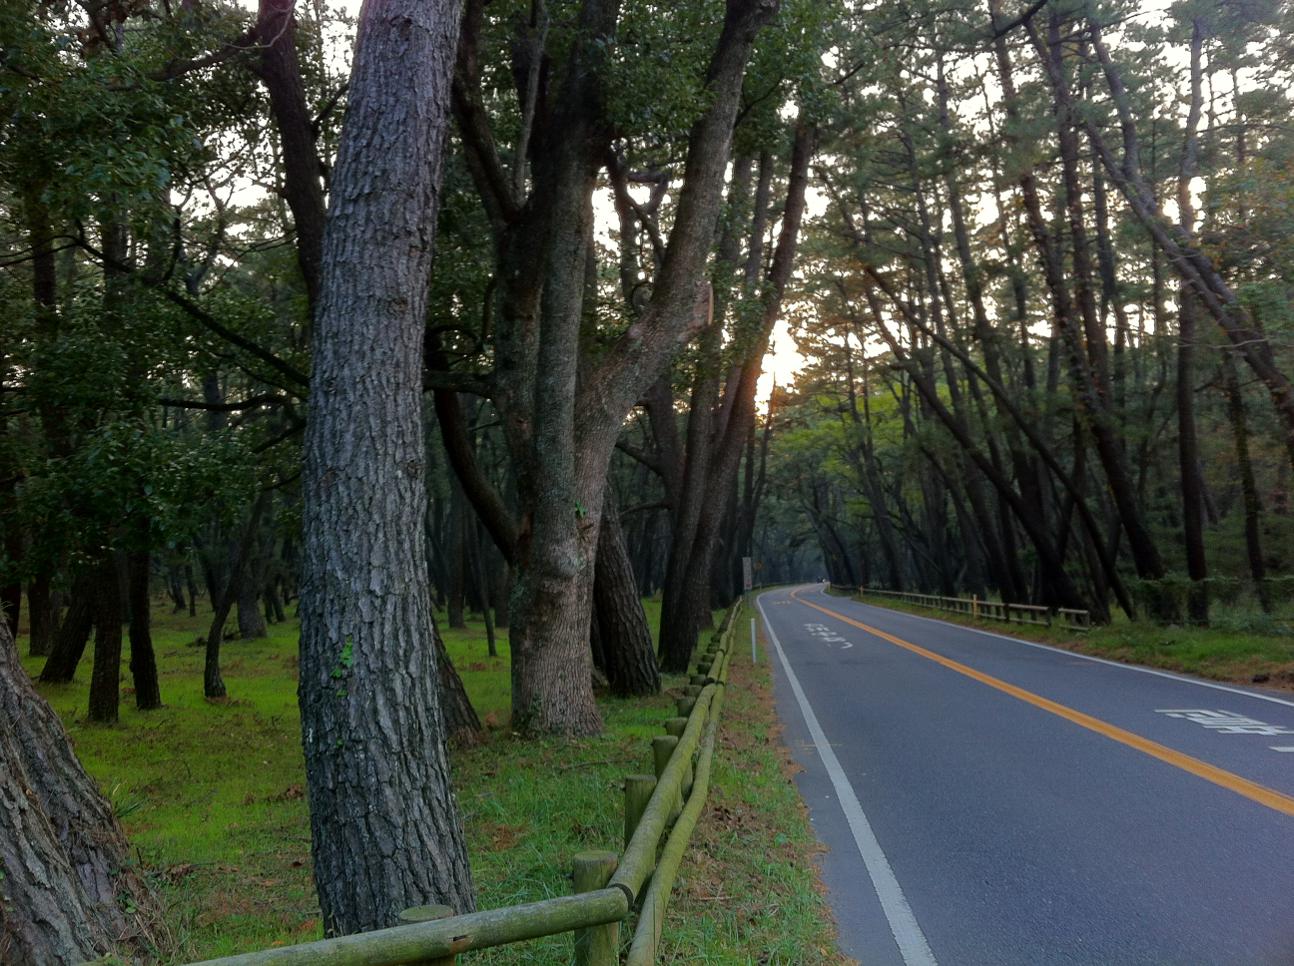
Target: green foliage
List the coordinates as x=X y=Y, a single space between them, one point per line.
x=212 y=797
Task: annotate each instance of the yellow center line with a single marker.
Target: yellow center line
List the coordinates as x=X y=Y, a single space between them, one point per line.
x=1211 y=773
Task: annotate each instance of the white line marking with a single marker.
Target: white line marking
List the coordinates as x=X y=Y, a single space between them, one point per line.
x=1086 y=657
x=903 y=924
x=1226 y=722
x=1282 y=747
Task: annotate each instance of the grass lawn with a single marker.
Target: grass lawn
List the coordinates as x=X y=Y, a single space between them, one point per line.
x=1227 y=651
x=212 y=797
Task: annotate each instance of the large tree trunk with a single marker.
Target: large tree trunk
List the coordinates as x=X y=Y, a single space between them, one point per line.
x=105 y=679
x=11 y=592
x=688 y=482
x=213 y=683
x=456 y=567
x=251 y=620
x=143 y=661
x=629 y=659
x=385 y=828
x=462 y=726
x=192 y=587
x=71 y=890
x=562 y=420
x=549 y=630
x=73 y=634
x=280 y=71
x=40 y=615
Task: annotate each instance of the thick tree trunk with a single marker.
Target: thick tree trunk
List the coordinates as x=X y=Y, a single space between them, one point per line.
x=280 y=71
x=105 y=679
x=385 y=828
x=484 y=580
x=213 y=684
x=549 y=630
x=73 y=634
x=143 y=662
x=251 y=621
x=11 y=604
x=629 y=658
x=40 y=615
x=456 y=547
x=561 y=422
x=71 y=889
x=688 y=482
x=462 y=726
x=192 y=586
x=176 y=590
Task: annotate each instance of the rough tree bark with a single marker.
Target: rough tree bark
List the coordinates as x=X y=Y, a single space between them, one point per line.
x=280 y=72
x=143 y=660
x=462 y=726
x=68 y=875
x=213 y=684
x=385 y=827
x=629 y=659
x=105 y=679
x=41 y=616
x=73 y=633
x=544 y=389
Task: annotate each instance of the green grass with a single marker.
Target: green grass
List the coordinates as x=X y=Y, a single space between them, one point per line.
x=211 y=796
x=747 y=892
x=1227 y=651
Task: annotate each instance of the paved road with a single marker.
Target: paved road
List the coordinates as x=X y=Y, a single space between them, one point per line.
x=985 y=800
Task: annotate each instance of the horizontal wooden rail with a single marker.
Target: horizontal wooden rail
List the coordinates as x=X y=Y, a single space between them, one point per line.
x=1036 y=614
x=422 y=941
x=651 y=917
x=674 y=806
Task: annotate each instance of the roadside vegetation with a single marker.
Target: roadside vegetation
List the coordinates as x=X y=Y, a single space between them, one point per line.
x=1240 y=646
x=211 y=794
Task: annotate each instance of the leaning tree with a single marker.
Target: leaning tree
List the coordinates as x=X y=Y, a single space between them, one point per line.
x=385 y=826
x=69 y=890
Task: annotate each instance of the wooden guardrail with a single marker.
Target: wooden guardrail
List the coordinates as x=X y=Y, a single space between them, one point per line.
x=661 y=811
x=1066 y=617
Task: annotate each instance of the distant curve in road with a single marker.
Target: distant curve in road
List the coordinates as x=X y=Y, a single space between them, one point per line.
x=989 y=800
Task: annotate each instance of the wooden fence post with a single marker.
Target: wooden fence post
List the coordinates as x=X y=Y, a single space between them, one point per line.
x=430 y=914
x=596 y=945
x=662 y=746
x=638 y=789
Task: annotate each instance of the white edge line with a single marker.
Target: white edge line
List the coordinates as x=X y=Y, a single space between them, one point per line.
x=1086 y=657
x=903 y=924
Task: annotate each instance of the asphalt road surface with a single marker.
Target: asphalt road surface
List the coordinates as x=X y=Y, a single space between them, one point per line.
x=986 y=800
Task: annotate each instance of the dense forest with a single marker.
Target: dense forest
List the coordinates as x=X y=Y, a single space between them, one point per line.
x=470 y=313
x=1045 y=316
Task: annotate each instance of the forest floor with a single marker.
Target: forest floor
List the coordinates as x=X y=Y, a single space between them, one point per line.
x=1230 y=650
x=212 y=797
